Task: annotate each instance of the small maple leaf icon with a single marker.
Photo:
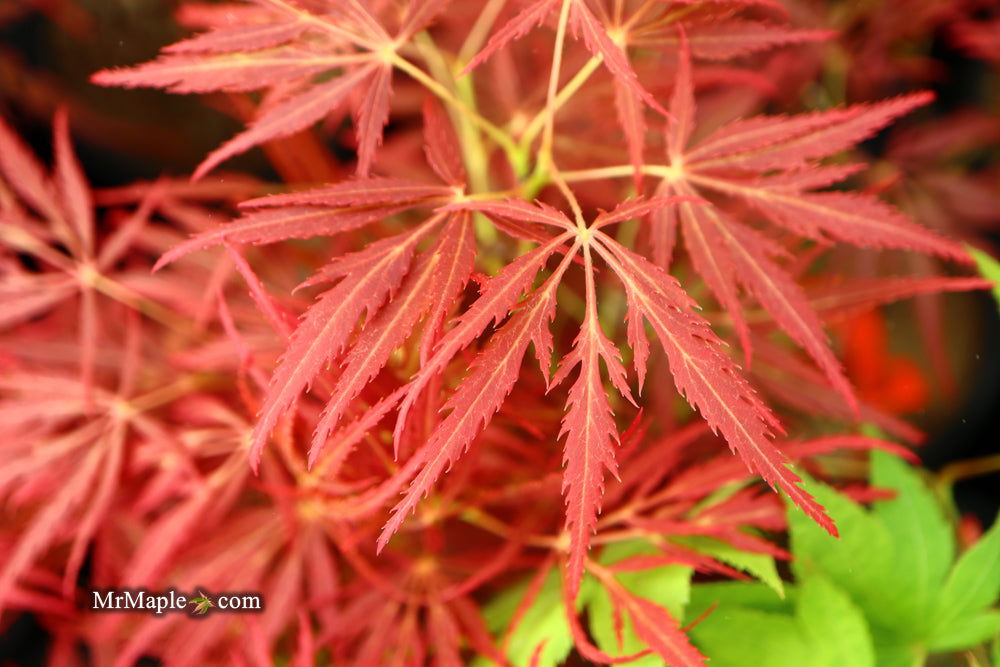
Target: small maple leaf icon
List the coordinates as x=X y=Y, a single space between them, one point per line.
x=202 y=603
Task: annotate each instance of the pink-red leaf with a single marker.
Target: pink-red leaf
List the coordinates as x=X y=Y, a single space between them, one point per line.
x=709 y=380
x=531 y=16
x=497 y=299
x=271 y=226
x=373 y=114
x=325 y=328
x=358 y=192
x=600 y=44
x=289 y=116
x=480 y=395
x=591 y=437
x=441 y=145
x=72 y=185
x=392 y=325
x=658 y=629
x=253 y=37
x=194 y=73
x=765 y=142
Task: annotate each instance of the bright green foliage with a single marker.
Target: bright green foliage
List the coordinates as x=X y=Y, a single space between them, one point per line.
x=888 y=593
x=668 y=586
x=761 y=566
x=821 y=628
x=989 y=268
x=544 y=621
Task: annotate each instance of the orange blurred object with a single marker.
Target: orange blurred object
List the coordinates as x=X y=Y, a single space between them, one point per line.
x=893 y=383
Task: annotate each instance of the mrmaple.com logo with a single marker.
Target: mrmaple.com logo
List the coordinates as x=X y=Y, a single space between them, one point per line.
x=159 y=603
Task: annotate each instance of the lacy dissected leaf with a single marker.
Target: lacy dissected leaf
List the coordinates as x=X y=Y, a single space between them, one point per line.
x=55 y=225
x=498 y=296
x=702 y=372
x=436 y=278
x=292 y=53
x=588 y=423
x=587 y=27
x=591 y=431
x=494 y=373
x=717 y=37
x=326 y=326
x=733 y=159
x=367 y=279
x=770 y=161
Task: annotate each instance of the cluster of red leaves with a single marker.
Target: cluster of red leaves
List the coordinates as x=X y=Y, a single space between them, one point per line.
x=182 y=428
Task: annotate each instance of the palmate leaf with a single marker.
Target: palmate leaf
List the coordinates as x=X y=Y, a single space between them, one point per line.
x=770 y=162
x=715 y=36
x=598 y=41
x=434 y=281
x=325 y=329
x=380 y=284
x=896 y=563
x=480 y=395
x=702 y=371
x=826 y=629
x=279 y=45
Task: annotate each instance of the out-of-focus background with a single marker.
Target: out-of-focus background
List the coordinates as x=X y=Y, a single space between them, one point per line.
x=944 y=169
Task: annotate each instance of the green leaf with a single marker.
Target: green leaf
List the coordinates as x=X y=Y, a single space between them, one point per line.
x=737 y=637
x=897 y=654
x=825 y=630
x=860 y=562
x=966 y=632
x=668 y=586
x=974 y=582
x=729 y=594
x=834 y=628
x=545 y=620
x=761 y=566
x=923 y=545
x=894 y=562
x=989 y=268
